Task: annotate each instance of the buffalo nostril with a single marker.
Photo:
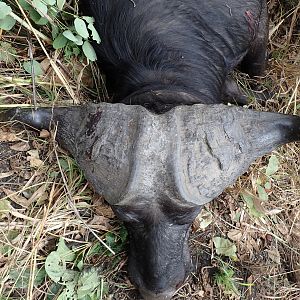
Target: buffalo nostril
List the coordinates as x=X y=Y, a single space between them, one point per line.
x=148 y=295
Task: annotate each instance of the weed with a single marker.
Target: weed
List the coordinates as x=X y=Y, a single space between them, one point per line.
x=68 y=31
x=225 y=279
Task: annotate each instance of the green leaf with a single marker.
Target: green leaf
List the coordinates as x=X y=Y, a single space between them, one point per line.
x=205 y=218
x=253 y=209
x=54 y=31
x=79 y=41
x=226 y=280
x=60 y=42
x=80 y=28
x=24 y=4
x=53 y=290
x=8 y=248
x=69 y=291
x=7 y=53
x=40 y=276
x=64 y=252
x=70 y=275
x=64 y=164
x=76 y=51
x=52 y=12
x=40 y=6
x=5 y=10
x=33 y=67
x=80 y=265
x=50 y=2
x=268 y=185
x=273 y=166
x=69 y=35
x=89 y=20
x=95 y=35
x=60 y=4
x=225 y=247
x=95 y=249
x=21 y=277
x=89 y=51
x=4 y=208
x=262 y=194
x=7 y=23
x=36 y=17
x=88 y=282
x=55 y=266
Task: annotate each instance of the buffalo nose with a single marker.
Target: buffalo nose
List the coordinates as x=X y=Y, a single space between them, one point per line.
x=148 y=295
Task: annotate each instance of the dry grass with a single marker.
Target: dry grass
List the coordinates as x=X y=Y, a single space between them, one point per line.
x=46 y=196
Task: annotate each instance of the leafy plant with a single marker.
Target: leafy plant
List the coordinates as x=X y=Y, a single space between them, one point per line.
x=225 y=279
x=21 y=277
x=69 y=32
x=225 y=247
x=263 y=187
x=7 y=22
x=70 y=283
x=117 y=242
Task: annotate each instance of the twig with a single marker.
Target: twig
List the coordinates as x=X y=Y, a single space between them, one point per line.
x=32 y=71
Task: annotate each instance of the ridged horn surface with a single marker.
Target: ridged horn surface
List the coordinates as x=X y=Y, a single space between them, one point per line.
x=190 y=153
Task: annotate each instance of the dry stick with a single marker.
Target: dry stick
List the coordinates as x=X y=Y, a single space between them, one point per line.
x=32 y=71
x=275 y=27
x=293 y=23
x=294 y=96
x=69 y=198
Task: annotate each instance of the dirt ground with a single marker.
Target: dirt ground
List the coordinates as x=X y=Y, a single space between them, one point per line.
x=44 y=196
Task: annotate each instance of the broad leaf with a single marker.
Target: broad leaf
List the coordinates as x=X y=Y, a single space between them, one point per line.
x=7 y=53
x=60 y=4
x=273 y=166
x=88 y=282
x=89 y=51
x=262 y=194
x=254 y=209
x=89 y=20
x=24 y=4
x=40 y=6
x=55 y=266
x=80 y=28
x=5 y=10
x=225 y=247
x=64 y=252
x=60 y=42
x=36 y=17
x=50 y=2
x=4 y=208
x=33 y=67
x=69 y=35
x=95 y=35
x=7 y=23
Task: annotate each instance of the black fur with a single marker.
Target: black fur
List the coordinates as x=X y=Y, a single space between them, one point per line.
x=175 y=46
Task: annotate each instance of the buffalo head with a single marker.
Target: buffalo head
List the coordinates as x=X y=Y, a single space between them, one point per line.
x=158 y=170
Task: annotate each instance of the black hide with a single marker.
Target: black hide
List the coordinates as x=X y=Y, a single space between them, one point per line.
x=161 y=53
x=157 y=166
